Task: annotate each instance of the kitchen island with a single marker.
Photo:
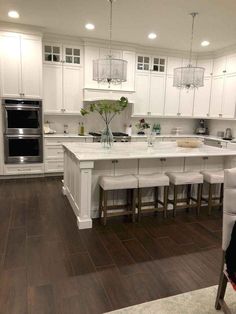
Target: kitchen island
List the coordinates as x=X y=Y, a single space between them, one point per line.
x=84 y=163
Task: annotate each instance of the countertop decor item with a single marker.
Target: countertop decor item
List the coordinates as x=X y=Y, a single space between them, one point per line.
x=141 y=126
x=189 y=143
x=189 y=77
x=107 y=109
x=110 y=70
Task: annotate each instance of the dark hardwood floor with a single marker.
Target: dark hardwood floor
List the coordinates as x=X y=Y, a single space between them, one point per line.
x=48 y=266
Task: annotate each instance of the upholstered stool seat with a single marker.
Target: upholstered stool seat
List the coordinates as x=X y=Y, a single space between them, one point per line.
x=213 y=177
x=151 y=180
x=122 y=182
x=112 y=183
x=154 y=181
x=187 y=178
x=182 y=178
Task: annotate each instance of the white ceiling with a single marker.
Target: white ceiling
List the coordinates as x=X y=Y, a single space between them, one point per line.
x=133 y=20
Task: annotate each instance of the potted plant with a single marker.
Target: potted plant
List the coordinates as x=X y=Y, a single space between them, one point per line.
x=107 y=109
x=142 y=125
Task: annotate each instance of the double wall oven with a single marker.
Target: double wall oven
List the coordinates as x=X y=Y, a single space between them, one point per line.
x=23 y=142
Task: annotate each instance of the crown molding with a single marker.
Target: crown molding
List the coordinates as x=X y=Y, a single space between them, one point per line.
x=19 y=28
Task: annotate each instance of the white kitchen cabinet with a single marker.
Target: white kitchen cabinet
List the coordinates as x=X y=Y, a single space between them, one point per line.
x=202 y=99
x=53 y=151
x=172 y=95
x=150 y=94
x=219 y=66
x=173 y=63
x=229 y=96
x=52 y=88
x=223 y=96
x=27 y=169
x=63 y=89
x=31 y=66
x=231 y=64
x=142 y=87
x=216 y=96
x=207 y=64
x=129 y=56
x=90 y=54
x=157 y=94
x=72 y=89
x=21 y=65
x=186 y=103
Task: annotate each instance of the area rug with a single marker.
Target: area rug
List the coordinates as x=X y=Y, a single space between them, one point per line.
x=195 y=302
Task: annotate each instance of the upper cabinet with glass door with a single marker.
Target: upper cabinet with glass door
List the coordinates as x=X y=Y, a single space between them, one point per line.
x=151 y=63
x=57 y=53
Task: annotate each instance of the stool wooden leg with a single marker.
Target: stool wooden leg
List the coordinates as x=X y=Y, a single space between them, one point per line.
x=166 y=191
x=139 y=203
x=189 y=186
x=221 y=195
x=105 y=207
x=100 y=201
x=210 y=199
x=199 y=198
x=222 y=286
x=134 y=197
x=175 y=200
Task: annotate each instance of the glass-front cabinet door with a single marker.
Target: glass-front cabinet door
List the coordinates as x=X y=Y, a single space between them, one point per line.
x=151 y=63
x=72 y=55
x=52 y=53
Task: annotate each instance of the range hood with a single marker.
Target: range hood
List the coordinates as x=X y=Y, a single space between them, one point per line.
x=93 y=94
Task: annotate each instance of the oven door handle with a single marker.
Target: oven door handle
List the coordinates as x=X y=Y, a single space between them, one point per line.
x=21 y=107
x=22 y=136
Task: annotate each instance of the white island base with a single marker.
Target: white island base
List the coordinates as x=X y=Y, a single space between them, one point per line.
x=85 y=163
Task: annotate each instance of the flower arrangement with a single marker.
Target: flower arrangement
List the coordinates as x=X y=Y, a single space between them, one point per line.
x=142 y=125
x=107 y=109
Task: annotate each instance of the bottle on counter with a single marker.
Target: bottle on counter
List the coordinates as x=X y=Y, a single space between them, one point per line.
x=157 y=128
x=81 y=128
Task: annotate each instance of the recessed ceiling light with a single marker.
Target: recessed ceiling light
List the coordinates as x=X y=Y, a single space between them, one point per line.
x=152 y=36
x=13 y=14
x=205 y=43
x=89 y=26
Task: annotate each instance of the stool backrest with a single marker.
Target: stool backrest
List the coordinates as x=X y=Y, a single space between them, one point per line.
x=229 y=212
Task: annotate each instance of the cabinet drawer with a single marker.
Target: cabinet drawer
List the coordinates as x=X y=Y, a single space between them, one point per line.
x=54 y=166
x=60 y=140
x=23 y=169
x=54 y=152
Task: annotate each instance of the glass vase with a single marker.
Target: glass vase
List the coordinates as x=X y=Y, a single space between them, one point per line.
x=107 y=137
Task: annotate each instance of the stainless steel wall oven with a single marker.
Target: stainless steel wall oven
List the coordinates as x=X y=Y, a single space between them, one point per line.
x=22 y=116
x=23 y=140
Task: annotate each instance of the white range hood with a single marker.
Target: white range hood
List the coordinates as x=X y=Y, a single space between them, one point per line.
x=93 y=94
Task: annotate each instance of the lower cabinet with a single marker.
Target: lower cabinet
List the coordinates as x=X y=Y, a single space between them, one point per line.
x=26 y=169
x=53 y=152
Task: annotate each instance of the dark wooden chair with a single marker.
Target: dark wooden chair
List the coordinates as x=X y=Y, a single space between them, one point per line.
x=229 y=218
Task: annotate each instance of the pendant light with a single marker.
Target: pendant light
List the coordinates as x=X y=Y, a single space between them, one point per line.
x=189 y=77
x=110 y=70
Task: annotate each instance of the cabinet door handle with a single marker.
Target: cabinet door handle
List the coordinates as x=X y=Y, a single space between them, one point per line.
x=220 y=114
x=208 y=114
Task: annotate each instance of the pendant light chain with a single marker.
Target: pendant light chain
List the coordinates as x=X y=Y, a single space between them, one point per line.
x=194 y=14
x=110 y=28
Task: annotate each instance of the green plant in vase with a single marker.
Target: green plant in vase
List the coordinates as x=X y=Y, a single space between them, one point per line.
x=107 y=109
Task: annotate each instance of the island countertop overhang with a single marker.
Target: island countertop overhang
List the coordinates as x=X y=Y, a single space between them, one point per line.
x=95 y=152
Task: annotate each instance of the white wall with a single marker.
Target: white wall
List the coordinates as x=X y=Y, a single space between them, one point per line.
x=93 y=122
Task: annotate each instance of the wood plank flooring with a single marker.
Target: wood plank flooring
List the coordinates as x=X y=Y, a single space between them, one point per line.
x=48 y=266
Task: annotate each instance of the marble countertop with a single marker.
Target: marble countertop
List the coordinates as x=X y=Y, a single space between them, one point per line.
x=71 y=135
x=136 y=150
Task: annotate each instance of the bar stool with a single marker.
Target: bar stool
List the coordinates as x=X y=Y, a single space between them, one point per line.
x=155 y=181
x=112 y=183
x=213 y=177
x=186 y=179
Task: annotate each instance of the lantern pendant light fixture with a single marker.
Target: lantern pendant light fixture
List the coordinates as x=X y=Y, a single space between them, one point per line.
x=110 y=70
x=189 y=77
